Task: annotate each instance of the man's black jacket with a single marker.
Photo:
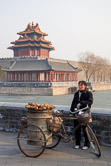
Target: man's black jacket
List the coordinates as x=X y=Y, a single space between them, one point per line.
x=86 y=98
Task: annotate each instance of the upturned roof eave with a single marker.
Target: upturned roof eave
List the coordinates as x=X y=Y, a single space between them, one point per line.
x=28 y=32
x=31 y=45
x=76 y=71
x=31 y=40
x=26 y=70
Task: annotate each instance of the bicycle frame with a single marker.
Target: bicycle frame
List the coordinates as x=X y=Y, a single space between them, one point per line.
x=70 y=118
x=66 y=137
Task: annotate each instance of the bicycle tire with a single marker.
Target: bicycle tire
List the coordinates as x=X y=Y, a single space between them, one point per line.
x=93 y=141
x=56 y=138
x=27 y=149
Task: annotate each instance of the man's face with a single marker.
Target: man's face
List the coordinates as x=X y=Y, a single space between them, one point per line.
x=81 y=87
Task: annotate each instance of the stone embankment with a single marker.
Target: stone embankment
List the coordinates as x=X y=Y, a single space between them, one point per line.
x=38 y=88
x=46 y=88
x=101 y=86
x=11 y=113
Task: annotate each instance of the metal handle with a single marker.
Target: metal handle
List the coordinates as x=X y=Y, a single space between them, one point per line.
x=80 y=110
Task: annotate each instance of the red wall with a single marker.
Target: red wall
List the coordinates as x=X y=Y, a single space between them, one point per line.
x=29 y=52
x=44 y=53
x=21 y=52
x=34 y=76
x=24 y=52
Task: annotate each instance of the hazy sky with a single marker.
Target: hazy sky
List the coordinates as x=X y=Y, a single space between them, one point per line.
x=73 y=26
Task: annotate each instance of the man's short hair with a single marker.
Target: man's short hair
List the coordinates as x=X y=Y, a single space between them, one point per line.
x=82 y=83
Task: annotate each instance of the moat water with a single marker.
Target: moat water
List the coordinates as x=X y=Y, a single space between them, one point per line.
x=102 y=99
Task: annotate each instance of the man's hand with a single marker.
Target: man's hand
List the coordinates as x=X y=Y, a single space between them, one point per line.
x=78 y=106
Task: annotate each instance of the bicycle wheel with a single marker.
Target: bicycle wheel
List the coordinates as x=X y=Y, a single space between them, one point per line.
x=56 y=138
x=93 y=141
x=31 y=146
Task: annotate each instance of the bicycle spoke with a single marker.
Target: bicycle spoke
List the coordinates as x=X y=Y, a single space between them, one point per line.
x=31 y=147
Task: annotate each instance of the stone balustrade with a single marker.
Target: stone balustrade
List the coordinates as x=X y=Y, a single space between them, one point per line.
x=11 y=113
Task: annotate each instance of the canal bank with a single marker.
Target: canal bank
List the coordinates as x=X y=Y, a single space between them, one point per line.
x=38 y=88
x=46 y=88
x=101 y=86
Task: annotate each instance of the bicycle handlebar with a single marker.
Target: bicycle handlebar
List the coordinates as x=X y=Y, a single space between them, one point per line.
x=80 y=110
x=75 y=112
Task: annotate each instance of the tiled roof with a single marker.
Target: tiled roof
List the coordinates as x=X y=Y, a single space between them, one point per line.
x=30 y=65
x=26 y=38
x=42 y=65
x=31 y=45
x=32 y=29
x=31 y=37
x=6 y=63
x=60 y=66
x=28 y=32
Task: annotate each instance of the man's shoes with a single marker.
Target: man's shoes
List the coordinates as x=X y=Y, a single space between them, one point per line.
x=76 y=147
x=85 y=147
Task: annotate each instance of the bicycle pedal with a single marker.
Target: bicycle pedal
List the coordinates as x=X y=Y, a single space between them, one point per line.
x=66 y=138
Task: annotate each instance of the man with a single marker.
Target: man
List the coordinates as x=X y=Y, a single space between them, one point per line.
x=81 y=98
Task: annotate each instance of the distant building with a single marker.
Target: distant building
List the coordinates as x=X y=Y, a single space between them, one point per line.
x=32 y=71
x=31 y=62
x=31 y=43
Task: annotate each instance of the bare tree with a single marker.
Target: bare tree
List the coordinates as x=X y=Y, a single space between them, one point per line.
x=109 y=74
x=94 y=67
x=87 y=61
x=103 y=69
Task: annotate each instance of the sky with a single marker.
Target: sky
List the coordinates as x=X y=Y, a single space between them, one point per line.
x=73 y=26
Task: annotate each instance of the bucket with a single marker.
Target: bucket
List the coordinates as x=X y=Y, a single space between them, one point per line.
x=38 y=118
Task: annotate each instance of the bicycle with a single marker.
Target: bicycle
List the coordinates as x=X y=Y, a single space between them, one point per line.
x=83 y=120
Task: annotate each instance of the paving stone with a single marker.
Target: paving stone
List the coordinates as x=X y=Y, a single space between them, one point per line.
x=62 y=155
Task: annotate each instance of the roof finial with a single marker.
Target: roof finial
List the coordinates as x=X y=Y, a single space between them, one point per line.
x=29 y=24
x=37 y=24
x=32 y=23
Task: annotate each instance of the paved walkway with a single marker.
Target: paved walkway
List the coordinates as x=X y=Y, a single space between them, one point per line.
x=62 y=155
